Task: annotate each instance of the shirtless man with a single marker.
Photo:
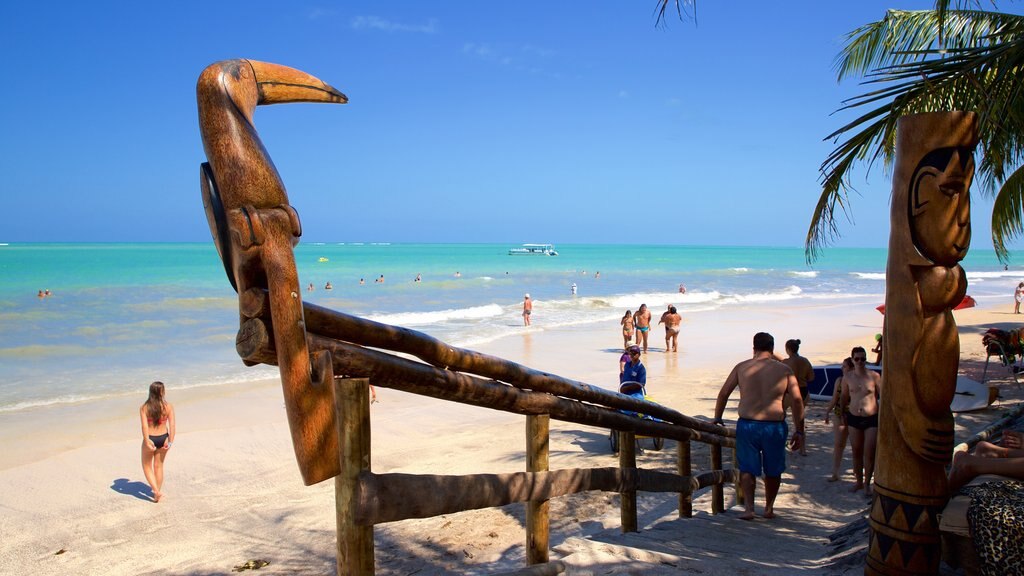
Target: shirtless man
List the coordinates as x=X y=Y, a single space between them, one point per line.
x=861 y=389
x=672 y=320
x=642 y=322
x=527 y=309
x=761 y=431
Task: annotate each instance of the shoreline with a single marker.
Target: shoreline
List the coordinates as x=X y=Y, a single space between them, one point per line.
x=73 y=479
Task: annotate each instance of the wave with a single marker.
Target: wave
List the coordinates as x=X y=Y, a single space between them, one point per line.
x=253 y=374
x=869 y=275
x=438 y=316
x=804 y=273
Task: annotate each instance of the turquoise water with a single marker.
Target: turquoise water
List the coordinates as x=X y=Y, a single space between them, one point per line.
x=122 y=315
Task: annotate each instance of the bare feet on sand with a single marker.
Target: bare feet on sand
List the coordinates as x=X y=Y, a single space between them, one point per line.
x=833 y=478
x=749 y=515
x=768 y=514
x=157 y=496
x=859 y=485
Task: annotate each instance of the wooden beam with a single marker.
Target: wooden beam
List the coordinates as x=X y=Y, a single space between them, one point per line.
x=537 y=522
x=390 y=497
x=717 y=491
x=352 y=414
x=627 y=496
x=684 y=468
x=338 y=325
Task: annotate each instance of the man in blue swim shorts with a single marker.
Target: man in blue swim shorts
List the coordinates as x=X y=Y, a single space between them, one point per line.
x=761 y=430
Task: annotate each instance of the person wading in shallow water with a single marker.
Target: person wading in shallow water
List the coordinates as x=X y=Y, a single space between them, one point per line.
x=527 y=309
x=761 y=430
x=157 y=416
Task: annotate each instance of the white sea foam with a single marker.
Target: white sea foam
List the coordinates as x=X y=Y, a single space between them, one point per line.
x=438 y=316
x=869 y=275
x=804 y=273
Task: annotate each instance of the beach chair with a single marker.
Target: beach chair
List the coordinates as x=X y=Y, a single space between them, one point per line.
x=635 y=390
x=1005 y=345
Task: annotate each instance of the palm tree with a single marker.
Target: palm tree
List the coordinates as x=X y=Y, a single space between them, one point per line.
x=928 y=61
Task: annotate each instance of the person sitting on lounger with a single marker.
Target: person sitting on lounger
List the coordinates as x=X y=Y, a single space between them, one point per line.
x=1006 y=459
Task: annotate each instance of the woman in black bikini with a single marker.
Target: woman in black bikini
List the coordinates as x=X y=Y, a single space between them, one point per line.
x=157 y=416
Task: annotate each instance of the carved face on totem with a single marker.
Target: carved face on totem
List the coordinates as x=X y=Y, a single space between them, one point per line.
x=940 y=204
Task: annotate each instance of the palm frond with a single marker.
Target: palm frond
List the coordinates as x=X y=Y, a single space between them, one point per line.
x=916 y=76
x=661 y=9
x=1006 y=213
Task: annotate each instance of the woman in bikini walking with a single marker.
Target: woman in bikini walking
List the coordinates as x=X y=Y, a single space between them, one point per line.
x=157 y=416
x=627 y=329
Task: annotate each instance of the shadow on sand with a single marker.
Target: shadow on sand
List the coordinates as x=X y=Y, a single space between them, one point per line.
x=140 y=490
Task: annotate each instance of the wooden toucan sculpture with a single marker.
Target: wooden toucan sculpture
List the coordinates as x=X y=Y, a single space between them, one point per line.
x=255 y=229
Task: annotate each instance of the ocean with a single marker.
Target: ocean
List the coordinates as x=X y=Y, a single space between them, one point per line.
x=122 y=315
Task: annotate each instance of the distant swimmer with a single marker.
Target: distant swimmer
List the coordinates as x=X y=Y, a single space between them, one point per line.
x=328 y=286
x=46 y=292
x=418 y=278
x=597 y=275
x=361 y=281
x=41 y=295
x=310 y=287
x=527 y=309
x=682 y=288
x=572 y=289
x=379 y=280
x=458 y=274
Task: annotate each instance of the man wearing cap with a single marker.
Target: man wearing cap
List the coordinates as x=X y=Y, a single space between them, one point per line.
x=634 y=370
x=527 y=309
x=761 y=430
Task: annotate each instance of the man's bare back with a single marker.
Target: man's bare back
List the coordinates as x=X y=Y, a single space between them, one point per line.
x=763 y=381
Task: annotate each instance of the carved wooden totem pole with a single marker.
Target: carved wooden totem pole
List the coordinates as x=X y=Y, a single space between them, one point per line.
x=255 y=229
x=931 y=232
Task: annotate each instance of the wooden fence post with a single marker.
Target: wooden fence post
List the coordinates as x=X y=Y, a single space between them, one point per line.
x=717 y=491
x=537 y=523
x=685 y=469
x=736 y=482
x=352 y=414
x=627 y=463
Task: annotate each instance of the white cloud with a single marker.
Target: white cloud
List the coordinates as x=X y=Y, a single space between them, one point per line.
x=378 y=23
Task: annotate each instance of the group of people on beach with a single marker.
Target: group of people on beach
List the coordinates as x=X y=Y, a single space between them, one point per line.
x=769 y=387
x=639 y=322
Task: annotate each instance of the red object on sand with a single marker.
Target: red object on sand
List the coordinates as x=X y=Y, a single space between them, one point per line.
x=967 y=302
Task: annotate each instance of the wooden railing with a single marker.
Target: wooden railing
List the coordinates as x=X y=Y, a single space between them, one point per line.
x=365 y=498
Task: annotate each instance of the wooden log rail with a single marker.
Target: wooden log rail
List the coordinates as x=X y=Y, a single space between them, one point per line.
x=384 y=498
x=257 y=347
x=398 y=373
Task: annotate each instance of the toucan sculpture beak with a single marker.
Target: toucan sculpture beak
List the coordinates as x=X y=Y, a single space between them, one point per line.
x=279 y=84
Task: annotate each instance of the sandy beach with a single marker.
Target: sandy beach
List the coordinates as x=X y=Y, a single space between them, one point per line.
x=74 y=500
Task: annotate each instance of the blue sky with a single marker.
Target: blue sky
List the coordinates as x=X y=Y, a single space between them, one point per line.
x=468 y=121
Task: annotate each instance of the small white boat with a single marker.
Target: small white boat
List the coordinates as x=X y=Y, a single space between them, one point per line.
x=534 y=249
